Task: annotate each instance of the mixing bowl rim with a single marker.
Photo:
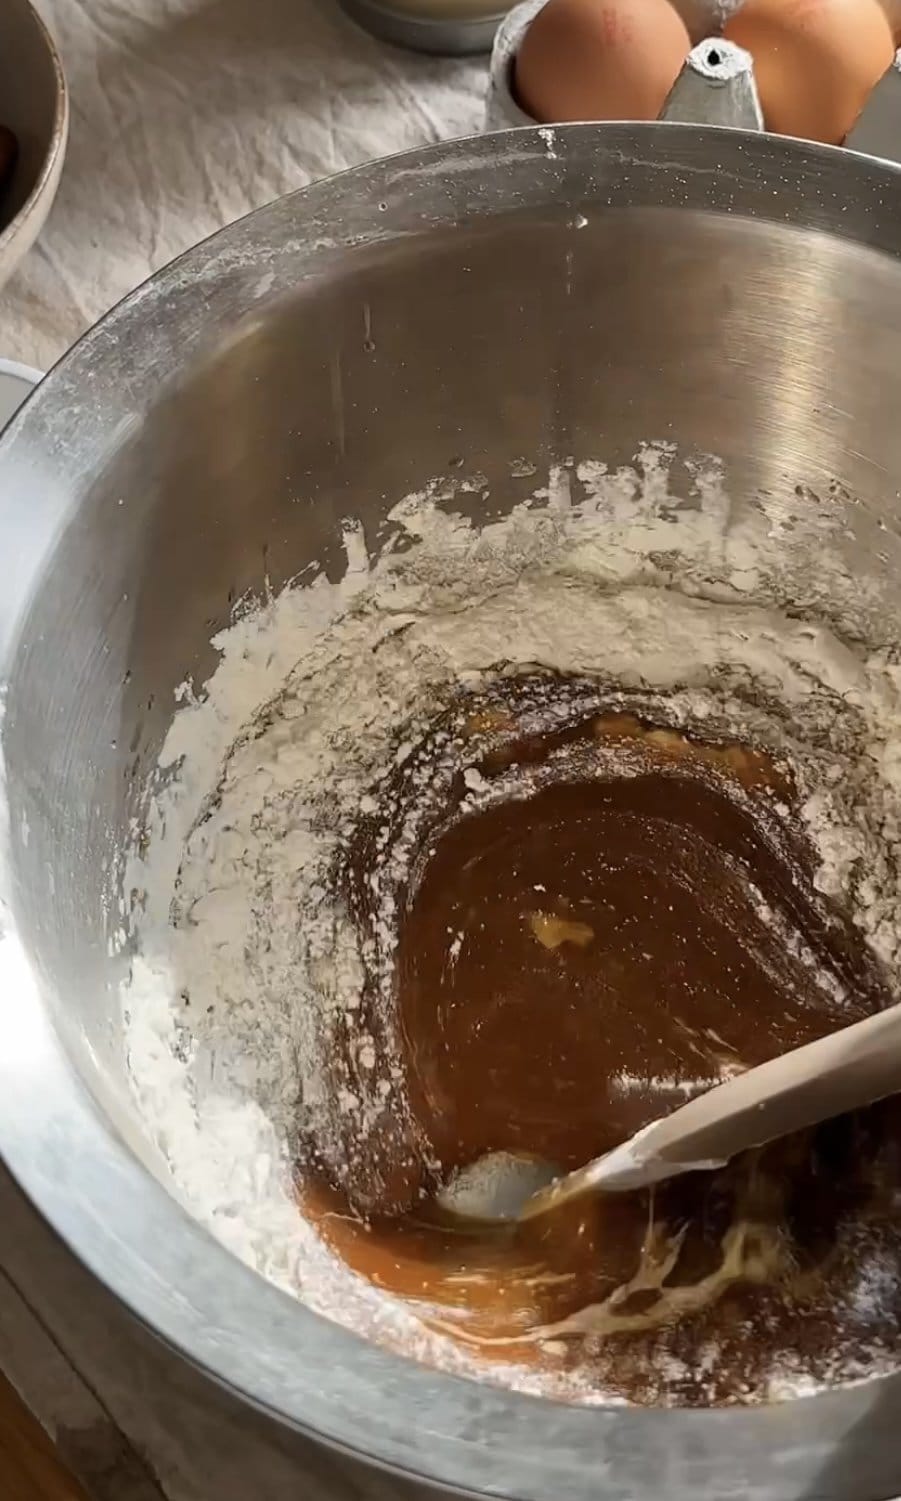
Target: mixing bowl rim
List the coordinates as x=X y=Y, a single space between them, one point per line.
x=451 y=1431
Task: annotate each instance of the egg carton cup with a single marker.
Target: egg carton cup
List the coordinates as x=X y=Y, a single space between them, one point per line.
x=715 y=87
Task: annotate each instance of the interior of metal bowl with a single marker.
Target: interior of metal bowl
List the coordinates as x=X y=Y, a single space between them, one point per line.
x=532 y=296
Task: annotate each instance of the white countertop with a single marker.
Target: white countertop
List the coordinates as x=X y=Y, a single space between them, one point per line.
x=188 y=113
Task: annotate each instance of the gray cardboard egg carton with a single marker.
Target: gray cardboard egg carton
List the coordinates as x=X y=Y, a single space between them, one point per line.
x=715 y=87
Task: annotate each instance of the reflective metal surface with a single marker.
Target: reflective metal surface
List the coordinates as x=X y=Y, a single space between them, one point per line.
x=571 y=292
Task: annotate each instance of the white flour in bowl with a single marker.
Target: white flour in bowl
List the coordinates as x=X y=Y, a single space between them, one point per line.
x=247 y=972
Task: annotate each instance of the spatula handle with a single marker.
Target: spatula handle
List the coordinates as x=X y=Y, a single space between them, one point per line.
x=845 y=1071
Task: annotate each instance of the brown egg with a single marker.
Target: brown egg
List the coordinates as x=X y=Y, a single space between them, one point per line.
x=815 y=61
x=600 y=59
x=892 y=10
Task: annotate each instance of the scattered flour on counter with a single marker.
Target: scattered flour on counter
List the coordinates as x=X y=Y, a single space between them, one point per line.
x=247 y=973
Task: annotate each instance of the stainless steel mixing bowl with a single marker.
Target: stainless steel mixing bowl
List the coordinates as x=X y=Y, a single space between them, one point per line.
x=533 y=294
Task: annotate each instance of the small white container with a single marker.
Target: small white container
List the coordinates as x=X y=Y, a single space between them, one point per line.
x=445 y=28
x=16 y=382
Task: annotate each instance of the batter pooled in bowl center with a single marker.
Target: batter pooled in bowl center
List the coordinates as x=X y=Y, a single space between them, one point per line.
x=591 y=917
x=575 y=963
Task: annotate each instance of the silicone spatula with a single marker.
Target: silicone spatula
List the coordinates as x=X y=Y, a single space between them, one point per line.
x=848 y=1069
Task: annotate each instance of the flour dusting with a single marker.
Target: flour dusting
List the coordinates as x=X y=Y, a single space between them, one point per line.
x=244 y=991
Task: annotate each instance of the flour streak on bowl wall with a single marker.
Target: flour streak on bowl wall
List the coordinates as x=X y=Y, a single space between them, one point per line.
x=815 y=61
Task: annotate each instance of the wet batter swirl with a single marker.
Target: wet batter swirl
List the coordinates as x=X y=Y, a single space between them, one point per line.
x=581 y=916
